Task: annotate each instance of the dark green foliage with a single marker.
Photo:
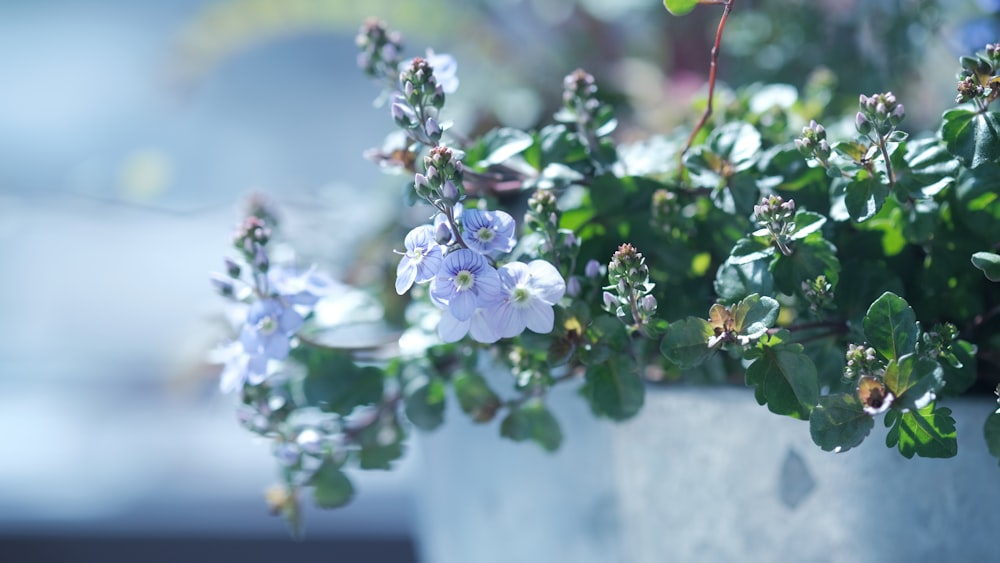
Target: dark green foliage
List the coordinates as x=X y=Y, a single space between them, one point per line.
x=331 y=488
x=838 y=422
x=532 y=421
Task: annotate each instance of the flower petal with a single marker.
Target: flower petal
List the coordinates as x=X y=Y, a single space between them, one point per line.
x=481 y=329
x=463 y=304
x=546 y=282
x=539 y=317
x=451 y=329
x=406 y=274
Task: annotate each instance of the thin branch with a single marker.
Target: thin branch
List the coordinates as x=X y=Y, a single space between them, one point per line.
x=727 y=7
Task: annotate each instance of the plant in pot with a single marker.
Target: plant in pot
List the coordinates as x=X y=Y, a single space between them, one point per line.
x=842 y=267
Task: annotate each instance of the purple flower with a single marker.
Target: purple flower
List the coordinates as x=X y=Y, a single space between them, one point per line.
x=451 y=329
x=240 y=368
x=488 y=231
x=299 y=288
x=529 y=292
x=466 y=282
x=422 y=259
x=268 y=328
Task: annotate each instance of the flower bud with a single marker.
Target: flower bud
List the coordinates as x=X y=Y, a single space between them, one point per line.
x=803 y=146
x=823 y=150
x=648 y=304
x=232 y=268
x=222 y=285
x=421 y=185
x=260 y=261
x=862 y=124
x=449 y=192
x=401 y=116
x=897 y=115
x=442 y=234
x=432 y=177
x=420 y=182
x=610 y=301
x=569 y=241
x=573 y=286
x=432 y=129
x=592 y=269
x=437 y=100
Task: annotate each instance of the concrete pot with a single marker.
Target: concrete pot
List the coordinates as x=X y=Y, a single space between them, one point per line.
x=701 y=474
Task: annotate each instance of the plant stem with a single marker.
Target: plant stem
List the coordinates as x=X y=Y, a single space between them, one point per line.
x=727 y=7
x=888 y=165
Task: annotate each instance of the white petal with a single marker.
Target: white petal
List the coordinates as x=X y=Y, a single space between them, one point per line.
x=482 y=330
x=406 y=274
x=451 y=329
x=546 y=282
x=539 y=317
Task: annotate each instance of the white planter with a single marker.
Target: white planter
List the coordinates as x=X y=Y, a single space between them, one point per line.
x=702 y=474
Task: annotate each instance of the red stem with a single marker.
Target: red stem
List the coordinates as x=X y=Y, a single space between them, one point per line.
x=727 y=7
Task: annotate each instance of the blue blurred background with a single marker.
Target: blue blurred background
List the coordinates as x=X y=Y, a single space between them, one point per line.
x=130 y=132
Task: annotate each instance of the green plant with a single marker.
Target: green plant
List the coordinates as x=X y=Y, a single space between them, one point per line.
x=836 y=269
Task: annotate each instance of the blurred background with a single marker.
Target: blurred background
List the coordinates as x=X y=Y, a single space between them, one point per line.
x=130 y=135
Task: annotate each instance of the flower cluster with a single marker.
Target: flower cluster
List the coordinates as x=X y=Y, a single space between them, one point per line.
x=456 y=254
x=456 y=258
x=776 y=216
x=274 y=299
x=977 y=82
x=813 y=142
x=629 y=295
x=379 y=48
x=879 y=113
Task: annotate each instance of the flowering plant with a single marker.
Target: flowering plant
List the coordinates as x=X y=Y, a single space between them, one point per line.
x=845 y=271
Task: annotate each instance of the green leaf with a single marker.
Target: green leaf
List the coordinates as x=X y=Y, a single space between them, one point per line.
x=891 y=326
x=475 y=396
x=736 y=281
x=864 y=196
x=609 y=192
x=929 y=432
x=614 y=388
x=532 y=421
x=686 y=342
x=425 y=401
x=991 y=432
x=839 y=423
x=381 y=444
x=750 y=249
x=806 y=223
x=754 y=315
x=499 y=145
x=334 y=383
x=989 y=263
x=331 y=487
x=924 y=168
x=911 y=378
x=737 y=142
x=680 y=7
x=810 y=257
x=784 y=378
x=972 y=136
